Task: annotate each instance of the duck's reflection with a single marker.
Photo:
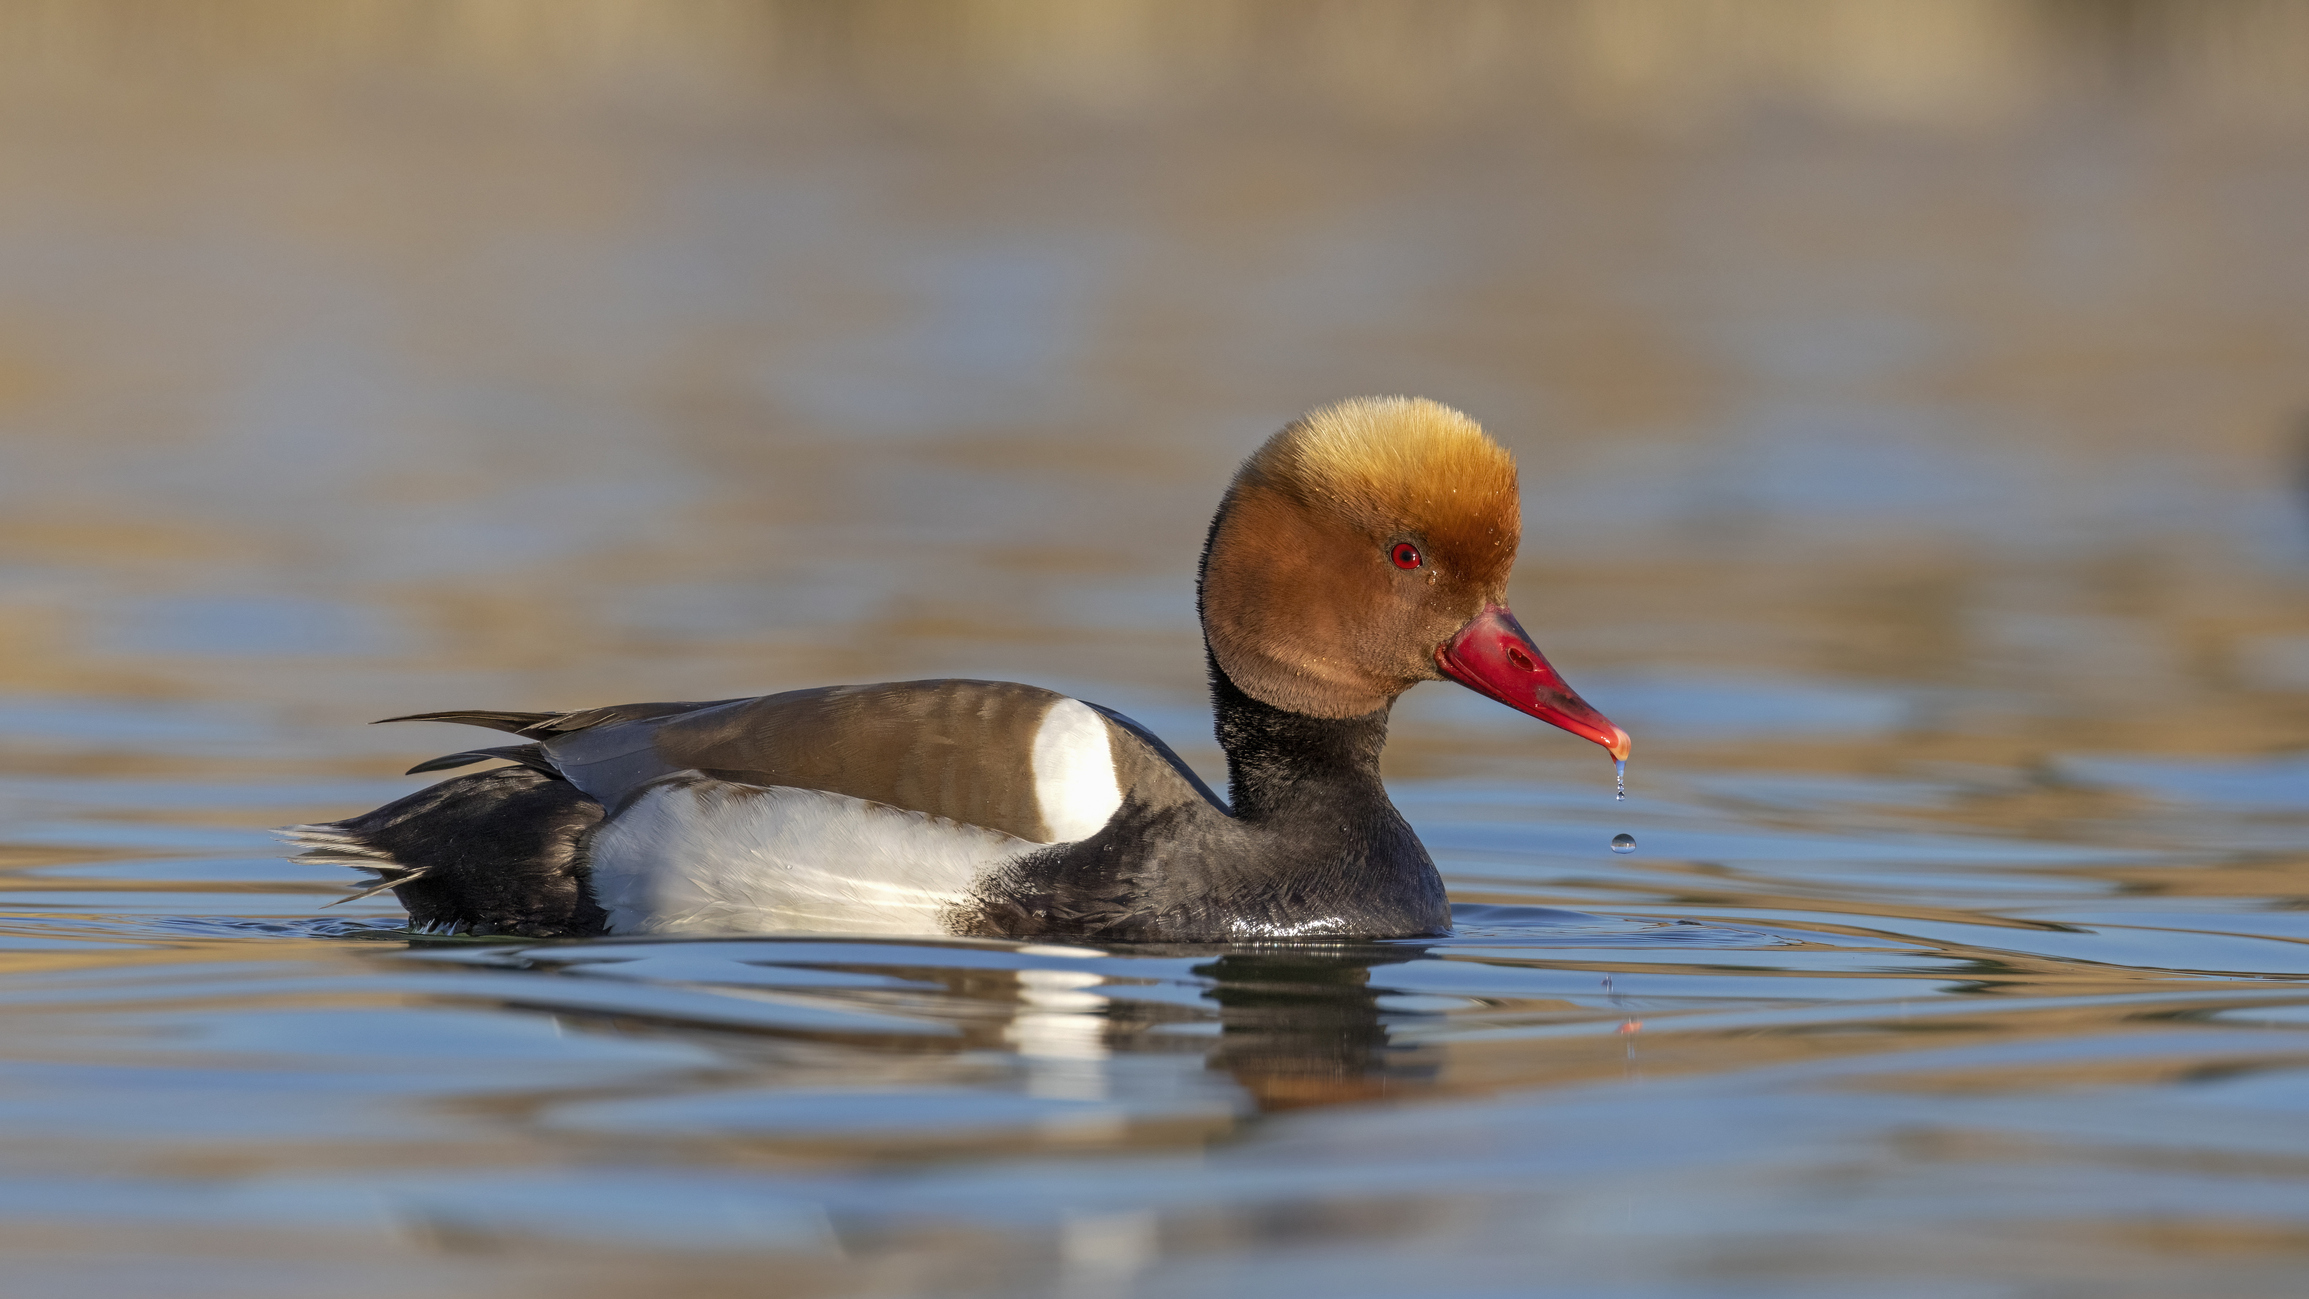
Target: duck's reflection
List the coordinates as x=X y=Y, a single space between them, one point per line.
x=1060 y=1031
x=1288 y=1025
x=1296 y=1026
x=1303 y=1026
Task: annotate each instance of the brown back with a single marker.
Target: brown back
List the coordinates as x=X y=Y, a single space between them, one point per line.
x=963 y=750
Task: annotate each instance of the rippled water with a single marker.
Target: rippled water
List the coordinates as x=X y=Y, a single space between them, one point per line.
x=1924 y=493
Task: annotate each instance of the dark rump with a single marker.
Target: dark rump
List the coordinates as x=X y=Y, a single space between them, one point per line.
x=500 y=851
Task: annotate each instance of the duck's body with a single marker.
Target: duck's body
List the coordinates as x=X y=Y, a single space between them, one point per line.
x=976 y=807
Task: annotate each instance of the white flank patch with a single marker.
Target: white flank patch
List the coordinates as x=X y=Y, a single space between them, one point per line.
x=1074 y=771
x=690 y=855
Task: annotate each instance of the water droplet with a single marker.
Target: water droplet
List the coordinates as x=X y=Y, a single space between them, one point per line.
x=1623 y=843
x=1619 y=773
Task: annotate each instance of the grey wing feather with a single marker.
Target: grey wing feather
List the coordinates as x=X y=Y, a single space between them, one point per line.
x=495 y=721
x=548 y=724
x=531 y=756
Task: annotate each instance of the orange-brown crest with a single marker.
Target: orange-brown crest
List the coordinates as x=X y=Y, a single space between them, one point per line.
x=1301 y=604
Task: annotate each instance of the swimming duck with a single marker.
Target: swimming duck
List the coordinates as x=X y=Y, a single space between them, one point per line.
x=1363 y=549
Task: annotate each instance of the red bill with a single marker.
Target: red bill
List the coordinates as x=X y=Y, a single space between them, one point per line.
x=1493 y=656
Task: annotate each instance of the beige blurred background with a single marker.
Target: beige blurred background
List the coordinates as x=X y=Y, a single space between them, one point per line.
x=1892 y=381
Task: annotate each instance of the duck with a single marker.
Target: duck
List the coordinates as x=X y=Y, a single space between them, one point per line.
x=1361 y=550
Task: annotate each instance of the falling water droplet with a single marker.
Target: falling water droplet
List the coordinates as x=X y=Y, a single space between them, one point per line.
x=1623 y=843
x=1619 y=773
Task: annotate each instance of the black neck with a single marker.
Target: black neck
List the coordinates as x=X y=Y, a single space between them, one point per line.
x=1279 y=762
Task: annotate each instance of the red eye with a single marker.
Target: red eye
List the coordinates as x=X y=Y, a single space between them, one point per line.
x=1405 y=555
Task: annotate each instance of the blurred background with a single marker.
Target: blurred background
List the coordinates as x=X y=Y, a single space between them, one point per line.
x=1922 y=370
x=1912 y=399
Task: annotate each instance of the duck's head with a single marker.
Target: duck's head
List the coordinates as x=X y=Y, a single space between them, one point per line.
x=1365 y=549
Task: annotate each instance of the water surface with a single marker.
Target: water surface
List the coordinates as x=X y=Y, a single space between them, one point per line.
x=1911 y=456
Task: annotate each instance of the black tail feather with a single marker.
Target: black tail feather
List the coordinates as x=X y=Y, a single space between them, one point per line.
x=387 y=878
x=499 y=851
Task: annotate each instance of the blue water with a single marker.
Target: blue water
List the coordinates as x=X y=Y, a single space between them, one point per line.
x=1837 y=1043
